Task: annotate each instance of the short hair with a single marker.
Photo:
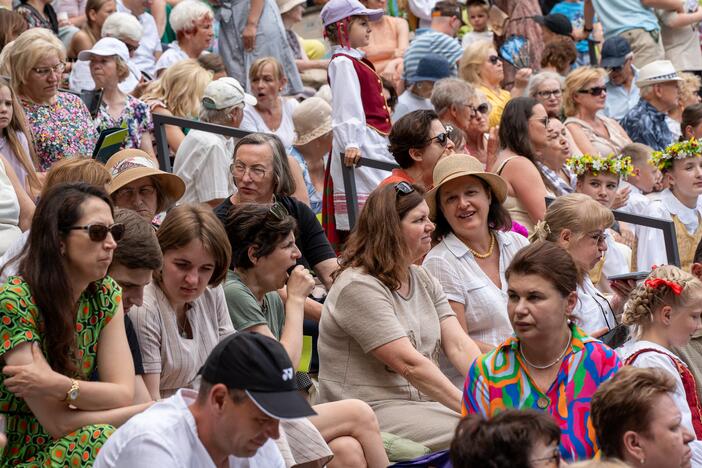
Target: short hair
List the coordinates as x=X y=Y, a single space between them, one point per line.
x=505 y=440
x=187 y=222
x=549 y=261
x=77 y=169
x=186 y=14
x=257 y=68
x=484 y=5
x=237 y=395
x=283 y=182
x=451 y=91
x=473 y=57
x=28 y=49
x=253 y=225
x=212 y=62
x=514 y=126
x=638 y=152
x=559 y=53
x=538 y=79
x=447 y=8
x=122 y=25
x=219 y=116
x=623 y=403
x=411 y=131
x=574 y=82
x=138 y=248
x=575 y=211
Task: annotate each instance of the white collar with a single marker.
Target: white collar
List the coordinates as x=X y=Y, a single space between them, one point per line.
x=355 y=53
x=458 y=248
x=675 y=207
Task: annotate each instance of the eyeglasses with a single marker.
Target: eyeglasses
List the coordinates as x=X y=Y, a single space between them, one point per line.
x=548 y=93
x=403 y=188
x=257 y=173
x=124 y=194
x=278 y=210
x=599 y=237
x=441 y=138
x=45 y=71
x=544 y=121
x=483 y=108
x=594 y=91
x=553 y=459
x=493 y=59
x=98 y=232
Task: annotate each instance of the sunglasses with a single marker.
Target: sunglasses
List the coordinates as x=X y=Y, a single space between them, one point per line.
x=403 y=188
x=98 y=232
x=594 y=91
x=493 y=59
x=483 y=108
x=441 y=138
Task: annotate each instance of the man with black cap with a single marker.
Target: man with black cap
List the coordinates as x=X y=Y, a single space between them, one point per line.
x=622 y=94
x=553 y=25
x=247 y=386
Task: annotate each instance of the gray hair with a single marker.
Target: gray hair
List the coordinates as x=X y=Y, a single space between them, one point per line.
x=219 y=116
x=645 y=91
x=283 y=182
x=449 y=92
x=185 y=14
x=122 y=25
x=537 y=80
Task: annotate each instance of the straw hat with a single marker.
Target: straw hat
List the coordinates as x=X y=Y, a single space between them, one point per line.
x=128 y=165
x=658 y=71
x=312 y=119
x=460 y=165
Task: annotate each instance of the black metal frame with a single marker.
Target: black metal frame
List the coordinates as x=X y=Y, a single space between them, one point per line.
x=164 y=159
x=350 y=183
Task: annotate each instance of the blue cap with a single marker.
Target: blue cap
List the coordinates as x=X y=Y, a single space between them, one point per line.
x=614 y=52
x=432 y=68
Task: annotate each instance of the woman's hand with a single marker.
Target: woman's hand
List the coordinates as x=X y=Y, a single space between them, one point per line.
x=352 y=156
x=300 y=283
x=521 y=78
x=621 y=289
x=249 y=37
x=36 y=379
x=621 y=198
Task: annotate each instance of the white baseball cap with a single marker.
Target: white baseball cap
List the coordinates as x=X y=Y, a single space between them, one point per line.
x=106 y=47
x=225 y=92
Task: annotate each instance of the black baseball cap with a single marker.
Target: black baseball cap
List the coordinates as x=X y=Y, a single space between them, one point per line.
x=614 y=52
x=556 y=23
x=260 y=366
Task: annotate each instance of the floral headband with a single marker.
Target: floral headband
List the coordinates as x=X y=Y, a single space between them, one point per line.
x=681 y=150
x=596 y=164
x=657 y=283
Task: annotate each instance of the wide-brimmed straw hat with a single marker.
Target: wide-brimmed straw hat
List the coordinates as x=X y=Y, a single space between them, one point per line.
x=128 y=165
x=312 y=119
x=461 y=165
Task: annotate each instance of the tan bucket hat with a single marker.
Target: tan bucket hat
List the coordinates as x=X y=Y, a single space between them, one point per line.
x=128 y=165
x=460 y=165
x=312 y=119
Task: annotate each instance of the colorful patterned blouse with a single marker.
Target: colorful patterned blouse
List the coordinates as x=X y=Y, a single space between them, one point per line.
x=62 y=129
x=499 y=380
x=135 y=116
x=21 y=322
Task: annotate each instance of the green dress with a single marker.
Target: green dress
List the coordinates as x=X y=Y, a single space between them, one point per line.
x=29 y=445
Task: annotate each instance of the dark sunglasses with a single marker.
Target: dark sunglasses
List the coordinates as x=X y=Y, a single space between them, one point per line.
x=403 y=188
x=594 y=91
x=483 y=108
x=98 y=232
x=441 y=138
x=493 y=59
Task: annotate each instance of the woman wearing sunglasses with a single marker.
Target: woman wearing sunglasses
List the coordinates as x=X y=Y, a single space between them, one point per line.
x=475 y=246
x=62 y=306
x=386 y=320
x=482 y=67
x=583 y=99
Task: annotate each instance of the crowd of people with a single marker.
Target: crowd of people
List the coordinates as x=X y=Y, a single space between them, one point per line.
x=485 y=302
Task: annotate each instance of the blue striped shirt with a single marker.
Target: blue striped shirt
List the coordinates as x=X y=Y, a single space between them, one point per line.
x=431 y=42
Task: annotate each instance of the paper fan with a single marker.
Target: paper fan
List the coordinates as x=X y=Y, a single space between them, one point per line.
x=515 y=50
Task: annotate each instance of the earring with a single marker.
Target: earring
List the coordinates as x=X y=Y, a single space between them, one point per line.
x=643 y=460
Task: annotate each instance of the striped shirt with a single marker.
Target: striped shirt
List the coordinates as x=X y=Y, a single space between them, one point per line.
x=428 y=43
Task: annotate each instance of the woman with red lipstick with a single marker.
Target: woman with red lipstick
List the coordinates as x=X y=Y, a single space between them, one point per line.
x=184 y=313
x=475 y=246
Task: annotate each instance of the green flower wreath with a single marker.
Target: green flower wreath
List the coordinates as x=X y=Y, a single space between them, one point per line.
x=681 y=150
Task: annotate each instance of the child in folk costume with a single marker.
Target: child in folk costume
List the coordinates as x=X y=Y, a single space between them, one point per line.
x=664 y=312
x=681 y=164
x=360 y=114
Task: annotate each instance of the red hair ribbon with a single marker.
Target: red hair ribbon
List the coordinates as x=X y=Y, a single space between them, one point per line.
x=656 y=283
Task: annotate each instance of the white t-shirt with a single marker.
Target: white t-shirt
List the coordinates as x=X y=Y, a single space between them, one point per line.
x=9 y=212
x=253 y=122
x=173 y=55
x=471 y=37
x=203 y=161
x=592 y=311
x=166 y=435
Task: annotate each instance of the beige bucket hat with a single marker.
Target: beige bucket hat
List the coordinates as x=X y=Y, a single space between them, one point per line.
x=128 y=165
x=312 y=119
x=461 y=165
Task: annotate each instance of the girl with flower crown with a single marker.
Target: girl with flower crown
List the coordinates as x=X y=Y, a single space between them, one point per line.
x=681 y=165
x=664 y=312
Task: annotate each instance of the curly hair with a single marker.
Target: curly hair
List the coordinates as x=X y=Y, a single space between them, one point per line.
x=647 y=298
x=560 y=54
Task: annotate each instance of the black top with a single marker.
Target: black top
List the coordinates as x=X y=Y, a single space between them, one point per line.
x=311 y=240
x=133 y=348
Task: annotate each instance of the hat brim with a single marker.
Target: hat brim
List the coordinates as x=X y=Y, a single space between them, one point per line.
x=428 y=78
x=290 y=5
x=282 y=405
x=323 y=129
x=172 y=185
x=642 y=83
x=88 y=54
x=497 y=185
x=612 y=62
x=373 y=15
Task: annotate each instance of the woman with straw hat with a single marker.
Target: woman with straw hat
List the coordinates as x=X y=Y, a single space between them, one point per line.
x=313 y=141
x=474 y=249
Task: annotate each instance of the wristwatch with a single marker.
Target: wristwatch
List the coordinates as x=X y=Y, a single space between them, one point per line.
x=73 y=392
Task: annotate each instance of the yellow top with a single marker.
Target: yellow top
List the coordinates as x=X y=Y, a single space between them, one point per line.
x=498 y=101
x=687 y=243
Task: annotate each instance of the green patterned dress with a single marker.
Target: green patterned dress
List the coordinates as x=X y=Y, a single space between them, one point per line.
x=29 y=445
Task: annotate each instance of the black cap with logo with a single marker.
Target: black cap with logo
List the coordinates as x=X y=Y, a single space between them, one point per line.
x=260 y=366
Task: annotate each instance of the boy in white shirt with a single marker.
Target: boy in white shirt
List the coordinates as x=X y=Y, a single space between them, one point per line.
x=478 y=19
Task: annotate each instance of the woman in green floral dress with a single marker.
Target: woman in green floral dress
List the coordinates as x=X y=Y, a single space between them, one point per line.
x=62 y=306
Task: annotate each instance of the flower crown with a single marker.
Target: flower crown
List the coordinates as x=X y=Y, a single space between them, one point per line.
x=596 y=164
x=681 y=150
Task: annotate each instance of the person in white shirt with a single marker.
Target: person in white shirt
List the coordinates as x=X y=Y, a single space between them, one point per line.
x=431 y=69
x=478 y=14
x=247 y=386
x=203 y=158
x=191 y=21
x=150 y=44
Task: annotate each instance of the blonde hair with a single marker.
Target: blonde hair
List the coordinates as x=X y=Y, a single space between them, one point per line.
x=646 y=299
x=257 y=68
x=77 y=169
x=18 y=125
x=689 y=86
x=577 y=212
x=472 y=59
x=574 y=82
x=180 y=88
x=28 y=49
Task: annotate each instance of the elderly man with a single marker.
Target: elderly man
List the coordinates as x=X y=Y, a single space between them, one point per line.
x=646 y=122
x=203 y=158
x=191 y=21
x=622 y=94
x=127 y=29
x=247 y=386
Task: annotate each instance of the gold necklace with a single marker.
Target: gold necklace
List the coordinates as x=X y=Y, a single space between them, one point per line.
x=490 y=249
